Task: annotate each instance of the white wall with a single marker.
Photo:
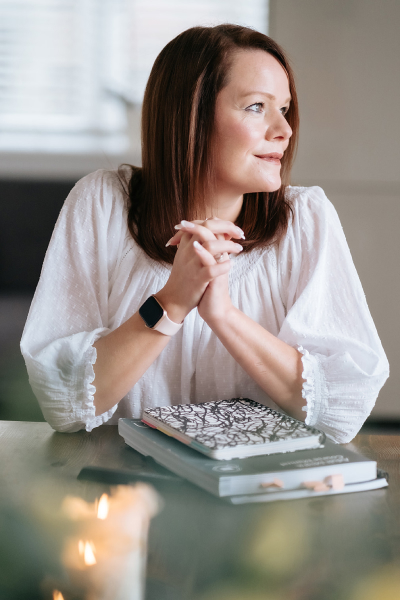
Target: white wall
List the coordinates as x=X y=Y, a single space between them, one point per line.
x=346 y=54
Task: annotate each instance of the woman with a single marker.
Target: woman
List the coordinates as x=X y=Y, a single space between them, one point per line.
x=147 y=298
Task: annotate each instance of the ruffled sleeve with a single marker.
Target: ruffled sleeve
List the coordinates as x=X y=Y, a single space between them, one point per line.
x=328 y=320
x=69 y=311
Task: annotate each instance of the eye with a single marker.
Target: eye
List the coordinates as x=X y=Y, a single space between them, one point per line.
x=284 y=110
x=256 y=107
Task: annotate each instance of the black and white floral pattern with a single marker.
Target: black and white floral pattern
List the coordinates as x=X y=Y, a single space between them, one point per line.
x=230 y=423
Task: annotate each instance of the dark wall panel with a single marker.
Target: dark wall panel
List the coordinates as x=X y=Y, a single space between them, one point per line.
x=28 y=212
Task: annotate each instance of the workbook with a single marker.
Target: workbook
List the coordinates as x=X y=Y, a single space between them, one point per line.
x=235 y=428
x=363 y=486
x=278 y=476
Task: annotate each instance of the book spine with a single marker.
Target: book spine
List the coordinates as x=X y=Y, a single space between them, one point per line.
x=149 y=424
x=199 y=447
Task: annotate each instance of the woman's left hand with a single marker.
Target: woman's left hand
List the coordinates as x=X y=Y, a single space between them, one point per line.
x=215 y=302
x=274 y=365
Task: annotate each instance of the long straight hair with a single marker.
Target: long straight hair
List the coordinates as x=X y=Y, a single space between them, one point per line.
x=177 y=136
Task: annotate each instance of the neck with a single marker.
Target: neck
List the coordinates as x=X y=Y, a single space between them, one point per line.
x=224 y=207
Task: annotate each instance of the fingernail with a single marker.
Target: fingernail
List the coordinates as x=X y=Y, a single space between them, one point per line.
x=178 y=227
x=169 y=242
x=197 y=245
x=239 y=246
x=187 y=224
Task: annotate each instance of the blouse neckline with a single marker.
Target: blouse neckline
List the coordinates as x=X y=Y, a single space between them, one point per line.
x=241 y=265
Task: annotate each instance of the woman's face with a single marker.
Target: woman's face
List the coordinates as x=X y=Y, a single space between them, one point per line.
x=251 y=132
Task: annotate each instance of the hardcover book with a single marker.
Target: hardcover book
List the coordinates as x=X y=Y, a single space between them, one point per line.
x=235 y=428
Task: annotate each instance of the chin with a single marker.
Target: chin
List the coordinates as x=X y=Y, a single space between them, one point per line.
x=272 y=185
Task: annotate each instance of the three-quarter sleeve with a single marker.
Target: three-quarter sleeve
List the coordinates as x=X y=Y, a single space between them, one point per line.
x=328 y=320
x=69 y=311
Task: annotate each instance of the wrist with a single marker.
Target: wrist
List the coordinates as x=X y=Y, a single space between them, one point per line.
x=220 y=318
x=175 y=311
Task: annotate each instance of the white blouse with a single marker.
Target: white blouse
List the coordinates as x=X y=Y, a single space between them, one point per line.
x=304 y=290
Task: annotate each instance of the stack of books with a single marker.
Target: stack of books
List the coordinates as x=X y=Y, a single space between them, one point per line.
x=245 y=452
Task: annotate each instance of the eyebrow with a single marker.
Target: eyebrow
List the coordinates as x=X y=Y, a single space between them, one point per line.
x=267 y=94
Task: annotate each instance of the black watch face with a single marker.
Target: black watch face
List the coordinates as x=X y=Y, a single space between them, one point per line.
x=151 y=312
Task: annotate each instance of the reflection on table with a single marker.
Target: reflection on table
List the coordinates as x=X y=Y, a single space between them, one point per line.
x=344 y=547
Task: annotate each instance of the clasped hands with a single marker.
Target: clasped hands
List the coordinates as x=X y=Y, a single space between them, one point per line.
x=199 y=275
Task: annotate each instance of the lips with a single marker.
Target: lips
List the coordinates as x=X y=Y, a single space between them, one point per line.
x=272 y=157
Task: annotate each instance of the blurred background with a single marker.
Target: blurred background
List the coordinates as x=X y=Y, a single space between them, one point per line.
x=72 y=77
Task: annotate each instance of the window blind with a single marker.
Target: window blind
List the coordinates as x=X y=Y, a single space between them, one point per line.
x=152 y=24
x=66 y=66
x=52 y=90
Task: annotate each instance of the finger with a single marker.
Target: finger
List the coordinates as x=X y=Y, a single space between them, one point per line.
x=221 y=257
x=215 y=227
x=212 y=268
x=206 y=258
x=218 y=226
x=222 y=236
x=175 y=240
x=208 y=219
x=201 y=233
x=213 y=271
x=221 y=246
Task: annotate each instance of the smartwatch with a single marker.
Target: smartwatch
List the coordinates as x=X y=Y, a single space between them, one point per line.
x=155 y=317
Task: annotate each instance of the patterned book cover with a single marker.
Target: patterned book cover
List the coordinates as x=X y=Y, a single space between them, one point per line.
x=229 y=423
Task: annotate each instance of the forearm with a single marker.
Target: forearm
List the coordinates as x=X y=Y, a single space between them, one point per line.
x=273 y=364
x=123 y=356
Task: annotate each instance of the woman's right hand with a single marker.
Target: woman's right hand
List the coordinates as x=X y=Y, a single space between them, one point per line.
x=191 y=273
x=124 y=355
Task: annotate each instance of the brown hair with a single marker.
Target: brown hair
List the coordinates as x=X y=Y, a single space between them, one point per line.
x=177 y=129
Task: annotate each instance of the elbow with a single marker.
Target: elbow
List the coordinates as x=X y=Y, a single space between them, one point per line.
x=61 y=422
x=341 y=415
x=342 y=432
x=57 y=410
x=66 y=416
x=62 y=427
x=341 y=437
x=342 y=426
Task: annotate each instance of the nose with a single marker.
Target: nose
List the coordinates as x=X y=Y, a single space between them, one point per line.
x=279 y=129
